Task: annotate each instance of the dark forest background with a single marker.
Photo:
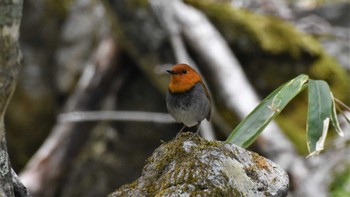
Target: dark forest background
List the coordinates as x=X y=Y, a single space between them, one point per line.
x=91 y=55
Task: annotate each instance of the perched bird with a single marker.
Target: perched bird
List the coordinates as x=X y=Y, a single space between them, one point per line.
x=187 y=98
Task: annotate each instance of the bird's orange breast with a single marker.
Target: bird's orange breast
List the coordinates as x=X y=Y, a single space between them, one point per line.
x=182 y=83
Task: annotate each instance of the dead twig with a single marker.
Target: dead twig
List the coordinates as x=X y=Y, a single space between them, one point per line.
x=125 y=116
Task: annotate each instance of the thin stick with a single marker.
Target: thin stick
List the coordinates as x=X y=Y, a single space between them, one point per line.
x=342 y=104
x=129 y=116
x=343 y=114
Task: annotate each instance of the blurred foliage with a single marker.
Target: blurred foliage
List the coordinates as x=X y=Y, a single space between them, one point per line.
x=340 y=186
x=328 y=69
x=59 y=8
x=293 y=132
x=317 y=3
x=29 y=119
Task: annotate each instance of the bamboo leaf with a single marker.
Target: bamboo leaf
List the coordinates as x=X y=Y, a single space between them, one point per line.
x=319 y=114
x=249 y=129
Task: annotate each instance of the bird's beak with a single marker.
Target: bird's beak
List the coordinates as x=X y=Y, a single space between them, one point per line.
x=172 y=72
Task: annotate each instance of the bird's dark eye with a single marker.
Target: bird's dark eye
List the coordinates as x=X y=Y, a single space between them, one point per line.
x=184 y=71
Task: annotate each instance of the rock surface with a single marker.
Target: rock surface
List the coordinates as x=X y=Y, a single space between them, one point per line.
x=192 y=166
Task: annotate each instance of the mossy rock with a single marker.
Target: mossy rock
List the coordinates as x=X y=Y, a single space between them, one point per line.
x=192 y=166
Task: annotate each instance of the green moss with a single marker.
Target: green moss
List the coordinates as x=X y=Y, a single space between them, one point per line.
x=318 y=3
x=295 y=132
x=138 y=3
x=191 y=166
x=328 y=69
x=274 y=36
x=58 y=8
x=172 y=167
x=341 y=184
x=248 y=29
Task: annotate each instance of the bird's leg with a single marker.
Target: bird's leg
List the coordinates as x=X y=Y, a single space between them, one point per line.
x=183 y=127
x=197 y=131
x=177 y=135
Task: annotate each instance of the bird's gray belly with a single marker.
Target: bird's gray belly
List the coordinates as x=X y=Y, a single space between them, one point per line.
x=189 y=107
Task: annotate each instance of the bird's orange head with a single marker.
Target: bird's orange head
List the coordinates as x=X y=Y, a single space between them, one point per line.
x=183 y=78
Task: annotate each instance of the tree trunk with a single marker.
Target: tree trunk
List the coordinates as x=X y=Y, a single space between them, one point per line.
x=10 y=17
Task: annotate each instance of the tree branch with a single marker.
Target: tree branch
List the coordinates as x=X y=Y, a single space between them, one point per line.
x=10 y=58
x=134 y=116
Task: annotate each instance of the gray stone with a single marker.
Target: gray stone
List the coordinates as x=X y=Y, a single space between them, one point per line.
x=192 y=166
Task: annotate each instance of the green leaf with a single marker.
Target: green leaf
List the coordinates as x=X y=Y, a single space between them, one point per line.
x=319 y=114
x=334 y=118
x=249 y=129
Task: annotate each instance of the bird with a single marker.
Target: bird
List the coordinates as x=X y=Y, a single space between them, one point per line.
x=187 y=98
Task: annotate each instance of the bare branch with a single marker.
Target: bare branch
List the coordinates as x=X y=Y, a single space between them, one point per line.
x=128 y=116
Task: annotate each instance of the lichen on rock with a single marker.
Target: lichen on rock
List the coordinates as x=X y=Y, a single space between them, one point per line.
x=192 y=166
